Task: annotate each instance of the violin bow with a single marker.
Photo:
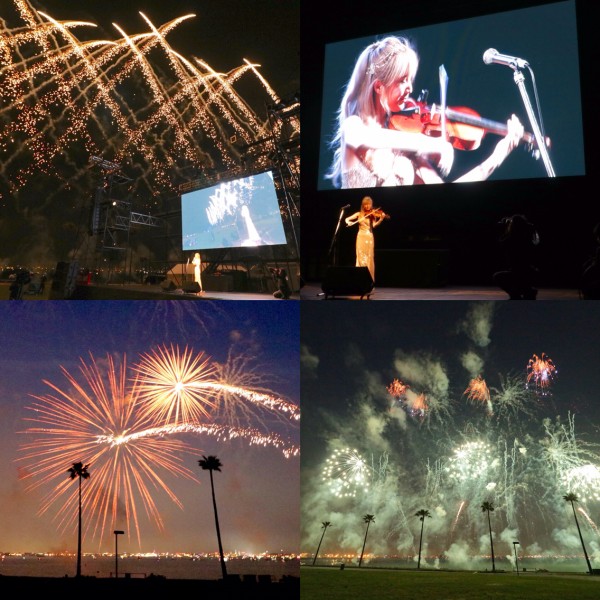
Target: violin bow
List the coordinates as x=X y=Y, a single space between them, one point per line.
x=443 y=92
x=443 y=89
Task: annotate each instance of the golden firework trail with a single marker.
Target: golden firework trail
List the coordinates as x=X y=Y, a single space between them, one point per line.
x=133 y=99
x=253 y=436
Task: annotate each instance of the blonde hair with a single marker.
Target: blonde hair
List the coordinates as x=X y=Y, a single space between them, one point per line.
x=386 y=61
x=364 y=201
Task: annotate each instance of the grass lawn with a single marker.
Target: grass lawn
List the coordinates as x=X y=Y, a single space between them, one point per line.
x=376 y=584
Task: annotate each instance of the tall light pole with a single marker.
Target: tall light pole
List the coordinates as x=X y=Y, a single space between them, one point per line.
x=117 y=534
x=516 y=559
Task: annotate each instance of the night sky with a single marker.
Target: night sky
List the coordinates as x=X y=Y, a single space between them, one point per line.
x=534 y=438
x=56 y=118
x=258 y=487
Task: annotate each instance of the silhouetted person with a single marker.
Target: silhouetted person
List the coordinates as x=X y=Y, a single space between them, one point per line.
x=519 y=240
x=590 y=276
x=21 y=280
x=283 y=291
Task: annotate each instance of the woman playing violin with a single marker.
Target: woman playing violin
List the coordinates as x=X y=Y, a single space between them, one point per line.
x=367 y=220
x=369 y=152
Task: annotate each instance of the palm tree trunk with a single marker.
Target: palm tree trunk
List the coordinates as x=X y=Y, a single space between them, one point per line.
x=79 y=535
x=364 y=544
x=491 y=543
x=221 y=555
x=581 y=539
x=420 y=542
x=319 y=546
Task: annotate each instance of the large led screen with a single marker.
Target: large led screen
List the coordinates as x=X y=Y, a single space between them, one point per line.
x=243 y=212
x=459 y=81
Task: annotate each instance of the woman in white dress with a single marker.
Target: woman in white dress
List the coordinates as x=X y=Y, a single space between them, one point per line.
x=197 y=262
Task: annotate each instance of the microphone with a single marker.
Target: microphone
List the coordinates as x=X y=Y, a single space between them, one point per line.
x=491 y=55
x=347 y=206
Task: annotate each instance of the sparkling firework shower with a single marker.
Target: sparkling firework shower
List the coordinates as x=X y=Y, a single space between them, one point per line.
x=346 y=473
x=112 y=421
x=133 y=100
x=471 y=461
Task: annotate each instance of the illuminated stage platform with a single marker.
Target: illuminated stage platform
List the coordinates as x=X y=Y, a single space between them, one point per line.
x=155 y=292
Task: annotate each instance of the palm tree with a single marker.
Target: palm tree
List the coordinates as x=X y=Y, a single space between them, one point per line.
x=421 y=514
x=368 y=519
x=489 y=507
x=572 y=498
x=212 y=463
x=325 y=525
x=79 y=470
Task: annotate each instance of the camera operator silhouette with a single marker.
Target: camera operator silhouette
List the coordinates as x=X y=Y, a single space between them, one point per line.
x=519 y=240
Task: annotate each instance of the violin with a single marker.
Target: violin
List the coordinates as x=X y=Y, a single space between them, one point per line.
x=377 y=212
x=465 y=128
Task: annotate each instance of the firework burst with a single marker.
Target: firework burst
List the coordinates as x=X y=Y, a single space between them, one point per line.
x=419 y=406
x=67 y=430
x=179 y=386
x=477 y=391
x=471 y=461
x=541 y=372
x=170 y=385
x=573 y=462
x=583 y=481
x=512 y=398
x=346 y=473
x=397 y=389
x=124 y=428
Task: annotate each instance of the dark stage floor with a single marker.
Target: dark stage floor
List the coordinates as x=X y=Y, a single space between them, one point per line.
x=313 y=291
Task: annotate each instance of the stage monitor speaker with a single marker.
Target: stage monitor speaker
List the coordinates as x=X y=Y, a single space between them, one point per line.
x=191 y=287
x=167 y=285
x=64 y=280
x=347 y=281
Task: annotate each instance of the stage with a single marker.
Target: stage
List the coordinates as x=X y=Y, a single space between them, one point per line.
x=313 y=291
x=156 y=292
x=139 y=292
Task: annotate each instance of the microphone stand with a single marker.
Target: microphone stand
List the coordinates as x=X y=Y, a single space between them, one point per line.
x=333 y=246
x=541 y=144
